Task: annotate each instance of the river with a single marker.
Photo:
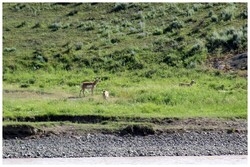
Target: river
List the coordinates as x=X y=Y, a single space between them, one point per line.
x=154 y=160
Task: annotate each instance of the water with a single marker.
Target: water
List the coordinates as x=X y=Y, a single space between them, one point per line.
x=163 y=160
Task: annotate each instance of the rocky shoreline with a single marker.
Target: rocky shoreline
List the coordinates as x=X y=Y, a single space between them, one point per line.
x=187 y=143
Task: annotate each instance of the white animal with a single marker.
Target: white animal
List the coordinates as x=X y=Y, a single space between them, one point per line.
x=105 y=94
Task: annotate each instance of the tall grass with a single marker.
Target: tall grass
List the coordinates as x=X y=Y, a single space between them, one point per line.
x=212 y=96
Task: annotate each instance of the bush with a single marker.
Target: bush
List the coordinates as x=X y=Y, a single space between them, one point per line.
x=55 y=26
x=197 y=48
x=195 y=7
x=72 y=13
x=158 y=31
x=214 y=18
x=172 y=60
x=142 y=35
x=9 y=49
x=227 y=40
x=210 y=13
x=87 y=26
x=243 y=14
x=24 y=85
x=124 y=59
x=115 y=40
x=190 y=12
x=79 y=45
x=227 y=14
x=139 y=15
x=196 y=54
x=37 y=25
x=21 y=25
x=176 y=24
x=119 y=6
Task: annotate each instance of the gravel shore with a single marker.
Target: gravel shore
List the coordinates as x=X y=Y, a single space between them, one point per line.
x=112 y=145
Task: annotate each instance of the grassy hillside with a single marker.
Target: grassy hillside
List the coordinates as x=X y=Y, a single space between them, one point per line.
x=111 y=37
x=141 y=52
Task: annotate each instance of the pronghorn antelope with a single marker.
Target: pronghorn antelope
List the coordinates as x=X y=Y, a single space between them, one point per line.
x=105 y=94
x=187 y=84
x=88 y=85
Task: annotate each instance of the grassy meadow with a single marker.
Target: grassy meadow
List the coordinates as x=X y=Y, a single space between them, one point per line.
x=130 y=95
x=140 y=51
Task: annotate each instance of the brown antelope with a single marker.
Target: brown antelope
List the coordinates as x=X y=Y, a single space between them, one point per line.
x=88 y=85
x=187 y=84
x=105 y=94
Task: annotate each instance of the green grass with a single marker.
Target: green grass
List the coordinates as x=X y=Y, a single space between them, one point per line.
x=211 y=96
x=44 y=48
x=141 y=52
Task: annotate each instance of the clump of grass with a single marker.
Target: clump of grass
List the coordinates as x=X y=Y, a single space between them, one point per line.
x=243 y=14
x=55 y=26
x=119 y=6
x=157 y=31
x=229 y=39
x=79 y=45
x=190 y=12
x=214 y=18
x=37 y=25
x=9 y=49
x=176 y=24
x=228 y=13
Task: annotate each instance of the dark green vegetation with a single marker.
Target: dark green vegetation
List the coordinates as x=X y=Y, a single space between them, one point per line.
x=118 y=37
x=141 y=52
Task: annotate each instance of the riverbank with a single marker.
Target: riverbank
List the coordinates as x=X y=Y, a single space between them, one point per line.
x=188 y=143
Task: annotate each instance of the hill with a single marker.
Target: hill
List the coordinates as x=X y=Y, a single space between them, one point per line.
x=116 y=37
x=145 y=55
x=140 y=51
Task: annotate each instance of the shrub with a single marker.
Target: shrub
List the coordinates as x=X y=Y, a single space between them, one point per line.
x=196 y=48
x=124 y=59
x=243 y=14
x=66 y=26
x=195 y=7
x=37 y=25
x=24 y=85
x=172 y=60
x=176 y=24
x=227 y=14
x=157 y=31
x=133 y=30
x=142 y=35
x=210 y=13
x=190 y=12
x=21 y=25
x=72 y=13
x=214 y=18
x=119 y=6
x=79 y=45
x=208 y=5
x=87 y=26
x=55 y=26
x=194 y=55
x=115 y=40
x=227 y=40
x=9 y=49
x=139 y=15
